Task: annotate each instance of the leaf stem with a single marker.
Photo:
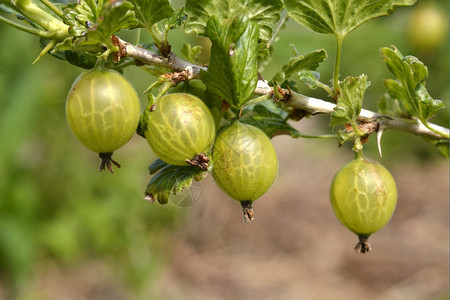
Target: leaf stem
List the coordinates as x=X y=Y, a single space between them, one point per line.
x=277 y=31
x=258 y=99
x=445 y=135
x=326 y=87
x=356 y=129
x=337 y=65
x=357 y=146
x=167 y=85
x=53 y=8
x=359 y=154
x=320 y=136
x=31 y=30
x=138 y=36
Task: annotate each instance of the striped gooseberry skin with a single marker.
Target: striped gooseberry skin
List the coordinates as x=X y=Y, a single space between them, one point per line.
x=102 y=110
x=363 y=196
x=245 y=162
x=179 y=128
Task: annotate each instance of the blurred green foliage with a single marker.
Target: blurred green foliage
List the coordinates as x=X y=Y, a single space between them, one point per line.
x=54 y=203
x=56 y=207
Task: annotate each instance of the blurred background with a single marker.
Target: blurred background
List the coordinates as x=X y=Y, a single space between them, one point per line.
x=68 y=231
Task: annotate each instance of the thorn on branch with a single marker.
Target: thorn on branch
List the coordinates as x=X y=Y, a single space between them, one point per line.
x=379 y=135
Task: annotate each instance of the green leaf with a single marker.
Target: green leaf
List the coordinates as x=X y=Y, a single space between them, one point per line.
x=270 y=118
x=81 y=15
x=156 y=166
x=84 y=60
x=233 y=72
x=308 y=62
x=409 y=85
x=170 y=180
x=160 y=30
x=263 y=52
x=339 y=16
x=116 y=15
x=263 y=12
x=176 y=20
x=443 y=147
x=150 y=12
x=427 y=105
x=391 y=107
x=94 y=22
x=349 y=102
x=191 y=53
x=310 y=78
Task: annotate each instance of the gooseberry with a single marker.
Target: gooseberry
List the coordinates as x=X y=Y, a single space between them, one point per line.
x=102 y=110
x=245 y=164
x=363 y=196
x=181 y=130
x=428 y=27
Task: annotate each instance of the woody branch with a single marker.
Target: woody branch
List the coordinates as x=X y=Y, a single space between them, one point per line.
x=296 y=100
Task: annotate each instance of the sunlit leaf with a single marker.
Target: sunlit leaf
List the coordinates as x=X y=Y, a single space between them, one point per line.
x=233 y=72
x=409 y=85
x=95 y=22
x=391 y=106
x=191 y=53
x=115 y=16
x=264 y=12
x=350 y=99
x=150 y=12
x=310 y=78
x=308 y=62
x=339 y=17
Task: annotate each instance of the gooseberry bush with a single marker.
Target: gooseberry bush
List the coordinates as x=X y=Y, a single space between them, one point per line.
x=219 y=118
